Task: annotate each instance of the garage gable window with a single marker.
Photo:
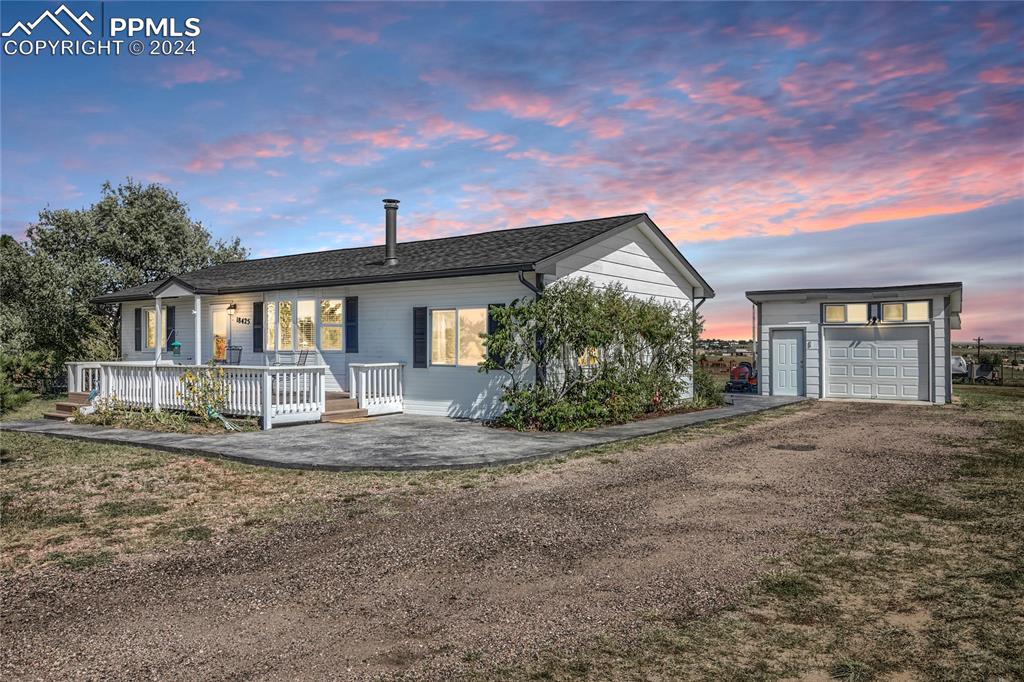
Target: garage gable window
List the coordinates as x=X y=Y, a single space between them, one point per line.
x=911 y=311
x=892 y=312
x=852 y=313
x=835 y=313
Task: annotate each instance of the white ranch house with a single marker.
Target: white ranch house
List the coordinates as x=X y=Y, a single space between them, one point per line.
x=385 y=328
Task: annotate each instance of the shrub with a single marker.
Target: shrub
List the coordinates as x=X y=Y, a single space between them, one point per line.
x=602 y=356
x=204 y=391
x=706 y=390
x=25 y=375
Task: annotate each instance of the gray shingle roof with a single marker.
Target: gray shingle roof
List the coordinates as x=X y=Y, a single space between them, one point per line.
x=482 y=253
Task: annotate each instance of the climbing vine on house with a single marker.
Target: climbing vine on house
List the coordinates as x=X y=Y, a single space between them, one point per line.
x=602 y=356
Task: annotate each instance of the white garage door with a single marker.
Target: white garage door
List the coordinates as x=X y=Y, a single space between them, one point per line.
x=877 y=362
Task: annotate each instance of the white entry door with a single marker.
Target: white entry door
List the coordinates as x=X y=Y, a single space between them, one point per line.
x=221 y=332
x=890 y=363
x=787 y=362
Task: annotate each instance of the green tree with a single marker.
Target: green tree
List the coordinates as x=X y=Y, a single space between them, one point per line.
x=133 y=235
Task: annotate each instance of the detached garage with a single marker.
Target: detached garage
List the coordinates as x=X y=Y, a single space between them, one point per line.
x=871 y=343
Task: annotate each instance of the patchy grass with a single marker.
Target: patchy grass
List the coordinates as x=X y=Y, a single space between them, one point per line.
x=33 y=409
x=927 y=584
x=61 y=498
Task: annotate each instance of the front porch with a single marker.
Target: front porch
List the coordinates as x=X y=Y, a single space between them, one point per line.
x=277 y=394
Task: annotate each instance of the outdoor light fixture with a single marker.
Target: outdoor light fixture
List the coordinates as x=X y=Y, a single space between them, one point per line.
x=232 y=309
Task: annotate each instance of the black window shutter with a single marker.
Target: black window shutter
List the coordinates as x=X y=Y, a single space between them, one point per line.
x=257 y=327
x=419 y=337
x=171 y=330
x=138 y=329
x=351 y=313
x=492 y=324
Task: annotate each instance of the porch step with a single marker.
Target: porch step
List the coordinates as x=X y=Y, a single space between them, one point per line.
x=78 y=398
x=338 y=395
x=69 y=408
x=56 y=416
x=341 y=404
x=343 y=415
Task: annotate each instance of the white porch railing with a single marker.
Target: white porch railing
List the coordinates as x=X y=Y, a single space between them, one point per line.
x=277 y=395
x=83 y=377
x=377 y=387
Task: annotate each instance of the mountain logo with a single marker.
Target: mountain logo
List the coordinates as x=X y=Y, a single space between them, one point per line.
x=52 y=16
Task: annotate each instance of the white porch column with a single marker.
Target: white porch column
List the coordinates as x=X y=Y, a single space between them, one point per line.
x=160 y=339
x=197 y=319
x=158 y=331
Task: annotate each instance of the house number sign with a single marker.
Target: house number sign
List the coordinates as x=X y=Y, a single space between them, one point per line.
x=243 y=320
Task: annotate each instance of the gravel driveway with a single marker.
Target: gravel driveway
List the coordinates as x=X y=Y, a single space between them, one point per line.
x=481 y=576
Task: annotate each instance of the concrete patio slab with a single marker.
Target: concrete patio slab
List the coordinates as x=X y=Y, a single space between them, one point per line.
x=396 y=442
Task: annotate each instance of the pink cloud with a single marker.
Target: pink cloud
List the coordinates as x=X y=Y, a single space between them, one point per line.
x=228 y=205
x=791 y=36
x=930 y=101
x=1002 y=75
x=527 y=105
x=387 y=138
x=352 y=34
x=200 y=70
x=437 y=127
x=241 y=151
x=605 y=127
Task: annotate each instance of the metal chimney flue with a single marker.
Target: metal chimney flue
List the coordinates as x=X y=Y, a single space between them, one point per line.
x=391 y=231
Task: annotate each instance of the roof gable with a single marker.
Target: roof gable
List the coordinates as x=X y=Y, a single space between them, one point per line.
x=473 y=254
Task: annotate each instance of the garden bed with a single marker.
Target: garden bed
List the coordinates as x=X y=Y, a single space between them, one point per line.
x=165 y=421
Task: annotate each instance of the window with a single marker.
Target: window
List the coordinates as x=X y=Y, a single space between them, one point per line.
x=472 y=323
x=892 y=312
x=455 y=336
x=150 y=336
x=296 y=324
x=330 y=324
x=853 y=313
x=270 y=325
x=857 y=313
x=442 y=337
x=306 y=324
x=835 y=313
x=917 y=311
x=284 y=325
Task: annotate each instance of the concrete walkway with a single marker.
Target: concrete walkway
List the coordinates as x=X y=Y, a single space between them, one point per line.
x=393 y=442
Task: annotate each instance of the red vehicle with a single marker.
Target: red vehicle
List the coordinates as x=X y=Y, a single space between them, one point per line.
x=742 y=379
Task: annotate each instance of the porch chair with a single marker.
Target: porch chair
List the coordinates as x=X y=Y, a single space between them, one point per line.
x=296 y=360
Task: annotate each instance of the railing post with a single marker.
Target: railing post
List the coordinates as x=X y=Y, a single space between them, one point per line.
x=351 y=380
x=71 y=377
x=155 y=388
x=362 y=385
x=266 y=406
x=323 y=390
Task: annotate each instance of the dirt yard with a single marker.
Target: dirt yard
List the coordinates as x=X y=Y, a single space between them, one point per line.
x=488 y=580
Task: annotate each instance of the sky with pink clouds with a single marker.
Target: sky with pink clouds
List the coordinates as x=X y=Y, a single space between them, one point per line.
x=779 y=145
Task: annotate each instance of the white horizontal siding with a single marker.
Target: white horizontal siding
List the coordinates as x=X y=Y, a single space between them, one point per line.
x=791 y=315
x=630 y=259
x=183 y=320
x=807 y=314
x=385 y=335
